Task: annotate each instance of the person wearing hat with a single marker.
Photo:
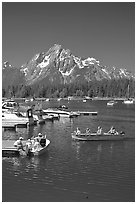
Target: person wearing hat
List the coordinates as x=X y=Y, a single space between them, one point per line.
x=39 y=136
x=19 y=144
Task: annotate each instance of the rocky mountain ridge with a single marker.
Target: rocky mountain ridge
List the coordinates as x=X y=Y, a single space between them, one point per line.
x=60 y=66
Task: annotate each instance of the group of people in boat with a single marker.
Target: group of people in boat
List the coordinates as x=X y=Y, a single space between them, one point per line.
x=32 y=144
x=99 y=131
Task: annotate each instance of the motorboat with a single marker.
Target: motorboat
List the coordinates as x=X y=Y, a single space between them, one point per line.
x=96 y=137
x=128 y=101
x=17 y=118
x=29 y=100
x=61 y=113
x=41 y=149
x=8 y=149
x=74 y=114
x=9 y=105
x=62 y=107
x=111 y=103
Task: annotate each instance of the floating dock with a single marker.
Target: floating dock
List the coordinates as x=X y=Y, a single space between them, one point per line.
x=88 y=113
x=9 y=126
x=8 y=148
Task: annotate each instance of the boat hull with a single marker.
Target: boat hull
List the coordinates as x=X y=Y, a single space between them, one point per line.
x=95 y=137
x=128 y=102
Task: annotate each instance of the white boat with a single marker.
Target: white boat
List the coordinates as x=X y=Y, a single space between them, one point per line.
x=98 y=137
x=128 y=101
x=61 y=113
x=84 y=100
x=111 y=103
x=29 y=100
x=9 y=105
x=40 y=150
x=16 y=118
x=8 y=149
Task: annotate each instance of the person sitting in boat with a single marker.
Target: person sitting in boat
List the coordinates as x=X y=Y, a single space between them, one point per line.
x=112 y=131
x=19 y=144
x=78 y=132
x=28 y=146
x=39 y=136
x=87 y=131
x=36 y=144
x=99 y=130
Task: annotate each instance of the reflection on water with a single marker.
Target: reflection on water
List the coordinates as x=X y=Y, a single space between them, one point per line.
x=96 y=150
x=17 y=164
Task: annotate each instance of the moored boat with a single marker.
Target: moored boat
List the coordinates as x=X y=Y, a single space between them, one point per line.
x=128 y=101
x=111 y=103
x=61 y=113
x=9 y=105
x=96 y=137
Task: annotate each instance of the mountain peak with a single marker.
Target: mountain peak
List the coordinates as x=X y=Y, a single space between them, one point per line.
x=59 y=65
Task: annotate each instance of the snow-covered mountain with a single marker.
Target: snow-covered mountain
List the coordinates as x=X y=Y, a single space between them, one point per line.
x=58 y=65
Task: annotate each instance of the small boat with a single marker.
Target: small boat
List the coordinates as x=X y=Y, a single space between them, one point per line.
x=97 y=137
x=62 y=107
x=61 y=113
x=74 y=114
x=16 y=118
x=9 y=105
x=111 y=103
x=29 y=100
x=84 y=100
x=128 y=101
x=8 y=149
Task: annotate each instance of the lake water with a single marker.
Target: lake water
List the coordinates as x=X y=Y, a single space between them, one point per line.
x=70 y=171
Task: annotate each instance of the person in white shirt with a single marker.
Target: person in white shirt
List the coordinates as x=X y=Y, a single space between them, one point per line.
x=78 y=132
x=19 y=144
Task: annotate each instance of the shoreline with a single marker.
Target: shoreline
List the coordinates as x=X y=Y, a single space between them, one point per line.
x=71 y=98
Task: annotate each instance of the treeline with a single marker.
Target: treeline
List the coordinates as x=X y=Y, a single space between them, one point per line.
x=105 y=88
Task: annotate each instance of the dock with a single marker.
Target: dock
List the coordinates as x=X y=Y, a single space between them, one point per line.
x=13 y=125
x=9 y=126
x=8 y=148
x=88 y=113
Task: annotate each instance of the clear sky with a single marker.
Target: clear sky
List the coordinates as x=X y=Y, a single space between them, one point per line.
x=103 y=30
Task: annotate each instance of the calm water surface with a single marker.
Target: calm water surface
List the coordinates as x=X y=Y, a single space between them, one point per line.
x=75 y=171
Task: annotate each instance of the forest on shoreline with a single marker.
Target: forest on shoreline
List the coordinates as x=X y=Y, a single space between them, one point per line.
x=115 y=88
